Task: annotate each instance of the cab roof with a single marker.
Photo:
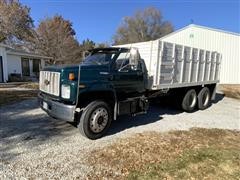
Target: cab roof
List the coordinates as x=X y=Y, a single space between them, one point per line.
x=109 y=49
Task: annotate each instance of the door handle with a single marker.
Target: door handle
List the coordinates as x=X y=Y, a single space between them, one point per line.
x=111 y=77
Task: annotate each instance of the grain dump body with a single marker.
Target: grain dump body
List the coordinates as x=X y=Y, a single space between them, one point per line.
x=173 y=65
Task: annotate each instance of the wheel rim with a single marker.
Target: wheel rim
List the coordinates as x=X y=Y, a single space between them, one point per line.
x=99 y=120
x=205 y=98
x=192 y=100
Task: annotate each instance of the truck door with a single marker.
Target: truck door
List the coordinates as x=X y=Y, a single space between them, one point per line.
x=127 y=79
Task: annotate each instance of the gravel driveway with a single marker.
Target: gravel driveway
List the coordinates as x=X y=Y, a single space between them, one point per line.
x=33 y=145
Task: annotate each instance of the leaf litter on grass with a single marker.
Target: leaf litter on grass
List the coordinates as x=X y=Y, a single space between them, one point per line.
x=198 y=153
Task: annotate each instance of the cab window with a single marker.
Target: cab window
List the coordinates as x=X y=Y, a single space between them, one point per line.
x=122 y=63
x=122 y=60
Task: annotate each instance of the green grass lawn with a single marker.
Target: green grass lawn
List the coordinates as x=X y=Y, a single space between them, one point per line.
x=203 y=163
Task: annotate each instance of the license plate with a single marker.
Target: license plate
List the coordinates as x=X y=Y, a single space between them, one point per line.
x=45 y=105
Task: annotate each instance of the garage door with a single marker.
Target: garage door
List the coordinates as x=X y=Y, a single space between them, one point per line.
x=1 y=69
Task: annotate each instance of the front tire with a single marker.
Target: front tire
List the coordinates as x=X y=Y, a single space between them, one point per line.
x=189 y=101
x=95 y=120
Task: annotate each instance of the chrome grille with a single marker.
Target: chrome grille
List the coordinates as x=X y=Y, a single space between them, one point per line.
x=49 y=82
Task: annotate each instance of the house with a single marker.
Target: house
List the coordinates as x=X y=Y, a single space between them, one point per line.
x=224 y=42
x=19 y=63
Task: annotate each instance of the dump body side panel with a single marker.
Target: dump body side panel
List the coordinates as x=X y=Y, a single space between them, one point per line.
x=172 y=65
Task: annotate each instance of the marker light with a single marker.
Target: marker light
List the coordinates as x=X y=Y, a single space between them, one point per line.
x=71 y=76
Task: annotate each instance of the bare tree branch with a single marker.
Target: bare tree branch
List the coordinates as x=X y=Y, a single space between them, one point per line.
x=143 y=26
x=15 y=21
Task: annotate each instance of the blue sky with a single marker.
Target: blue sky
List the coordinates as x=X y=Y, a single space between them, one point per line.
x=98 y=20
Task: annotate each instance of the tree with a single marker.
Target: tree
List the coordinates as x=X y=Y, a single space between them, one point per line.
x=102 y=45
x=55 y=38
x=15 y=21
x=87 y=45
x=143 y=26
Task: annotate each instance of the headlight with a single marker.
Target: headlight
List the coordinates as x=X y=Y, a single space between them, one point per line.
x=65 y=91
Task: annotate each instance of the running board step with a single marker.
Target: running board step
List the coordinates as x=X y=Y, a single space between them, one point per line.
x=135 y=114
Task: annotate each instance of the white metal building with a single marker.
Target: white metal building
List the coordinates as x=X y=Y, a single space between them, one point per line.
x=226 y=43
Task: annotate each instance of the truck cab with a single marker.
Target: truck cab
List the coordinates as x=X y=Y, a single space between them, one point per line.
x=109 y=82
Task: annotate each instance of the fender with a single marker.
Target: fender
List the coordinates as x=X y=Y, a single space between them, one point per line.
x=99 y=89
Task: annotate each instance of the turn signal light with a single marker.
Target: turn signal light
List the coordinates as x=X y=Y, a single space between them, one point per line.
x=71 y=76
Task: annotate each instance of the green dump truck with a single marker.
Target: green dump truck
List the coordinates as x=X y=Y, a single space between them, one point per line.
x=120 y=80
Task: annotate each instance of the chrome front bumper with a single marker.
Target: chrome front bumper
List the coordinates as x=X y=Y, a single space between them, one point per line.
x=57 y=110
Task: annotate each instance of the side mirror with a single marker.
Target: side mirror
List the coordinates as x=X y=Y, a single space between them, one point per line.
x=134 y=57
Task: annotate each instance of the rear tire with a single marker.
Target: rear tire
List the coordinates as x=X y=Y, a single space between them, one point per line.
x=189 y=101
x=95 y=120
x=204 y=97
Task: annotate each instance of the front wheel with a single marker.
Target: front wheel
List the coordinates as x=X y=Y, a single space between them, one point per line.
x=95 y=120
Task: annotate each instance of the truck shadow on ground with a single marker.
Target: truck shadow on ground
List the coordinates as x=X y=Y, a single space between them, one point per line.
x=157 y=109
x=219 y=97
x=154 y=114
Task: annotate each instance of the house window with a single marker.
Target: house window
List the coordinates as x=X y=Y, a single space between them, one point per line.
x=25 y=67
x=36 y=63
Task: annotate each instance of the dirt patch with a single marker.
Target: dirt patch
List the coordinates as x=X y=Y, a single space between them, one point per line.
x=230 y=90
x=8 y=96
x=198 y=154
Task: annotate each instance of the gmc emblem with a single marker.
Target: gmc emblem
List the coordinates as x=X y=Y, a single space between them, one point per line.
x=46 y=82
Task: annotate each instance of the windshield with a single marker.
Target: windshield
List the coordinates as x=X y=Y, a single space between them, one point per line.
x=100 y=58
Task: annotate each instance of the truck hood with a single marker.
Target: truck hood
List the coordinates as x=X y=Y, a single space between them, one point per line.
x=93 y=73
x=90 y=75
x=87 y=72
x=61 y=68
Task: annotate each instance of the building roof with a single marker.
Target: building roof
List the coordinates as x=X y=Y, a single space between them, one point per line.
x=12 y=51
x=202 y=27
x=27 y=54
